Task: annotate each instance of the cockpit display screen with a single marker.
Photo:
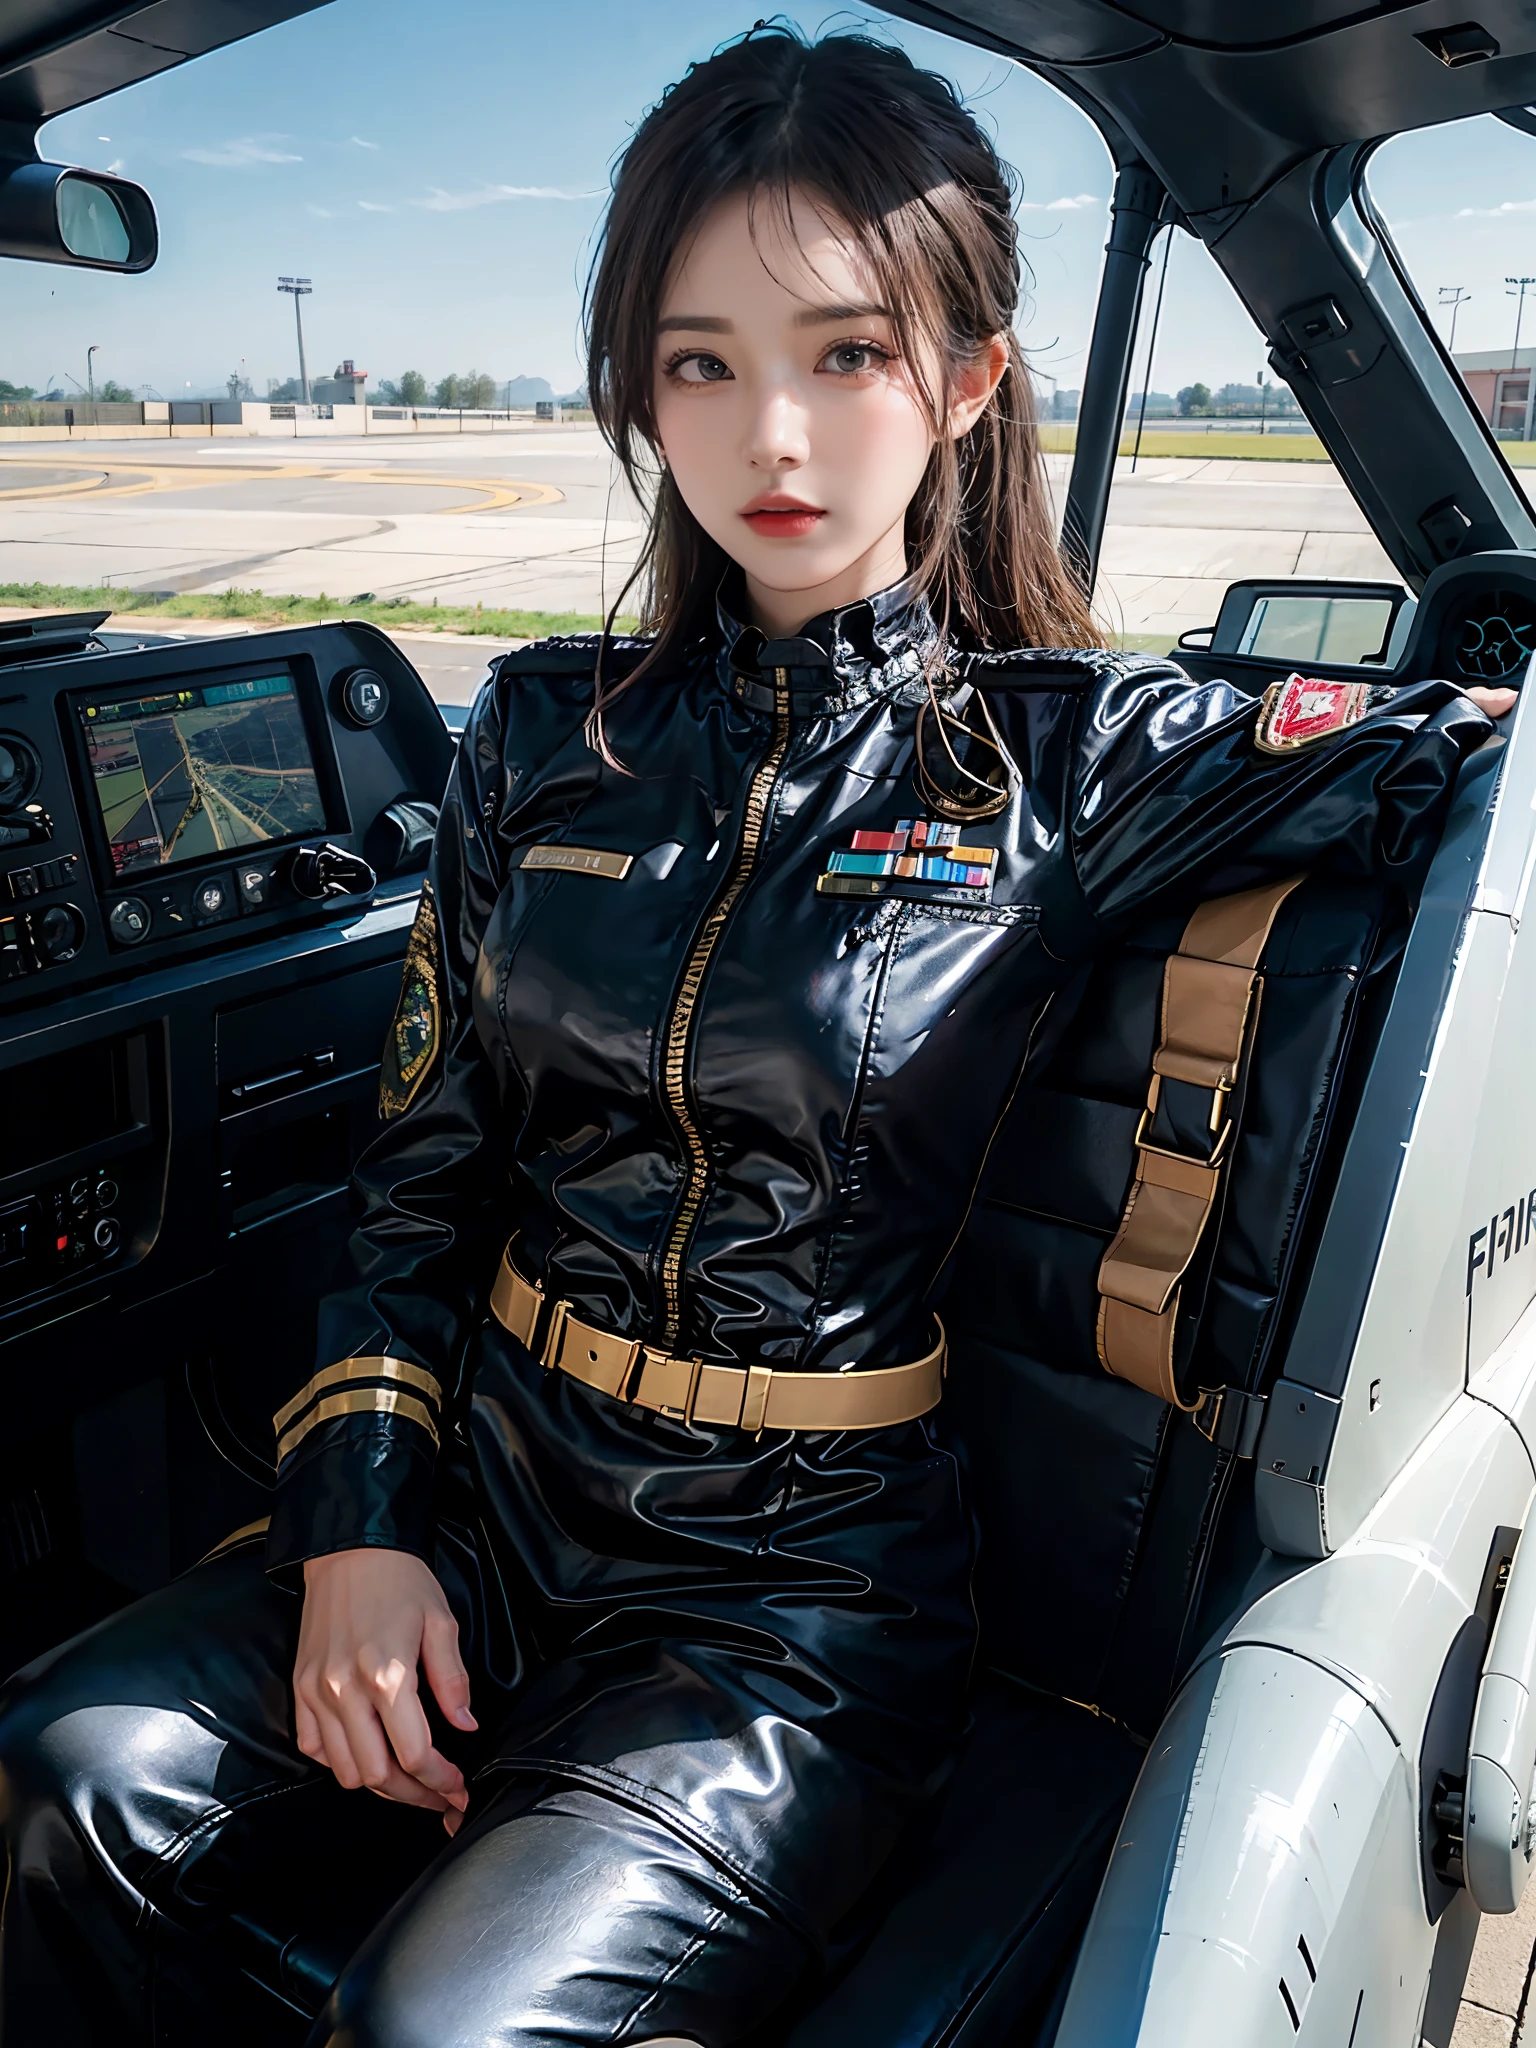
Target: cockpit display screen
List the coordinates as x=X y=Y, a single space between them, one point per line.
x=182 y=774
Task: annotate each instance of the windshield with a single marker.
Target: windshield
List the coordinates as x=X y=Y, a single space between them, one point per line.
x=353 y=382
x=1220 y=477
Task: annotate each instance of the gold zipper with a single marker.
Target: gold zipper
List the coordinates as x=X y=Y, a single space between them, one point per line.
x=675 y=1060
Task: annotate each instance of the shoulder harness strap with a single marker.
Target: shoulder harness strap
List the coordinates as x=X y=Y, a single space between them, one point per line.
x=1211 y=993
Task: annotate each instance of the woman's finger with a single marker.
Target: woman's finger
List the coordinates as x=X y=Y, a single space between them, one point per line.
x=405 y=1790
x=1496 y=702
x=410 y=1738
x=336 y=1750
x=358 y=1712
x=306 y=1730
x=445 y=1671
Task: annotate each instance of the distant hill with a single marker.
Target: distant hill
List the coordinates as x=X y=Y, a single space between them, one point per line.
x=526 y=391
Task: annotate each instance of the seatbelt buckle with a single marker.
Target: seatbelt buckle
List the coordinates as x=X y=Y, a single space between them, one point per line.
x=1219 y=1125
x=1230 y=1419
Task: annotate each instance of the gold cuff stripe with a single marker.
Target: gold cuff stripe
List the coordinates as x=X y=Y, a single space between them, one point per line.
x=236 y=1537
x=348 y=1369
x=359 y=1401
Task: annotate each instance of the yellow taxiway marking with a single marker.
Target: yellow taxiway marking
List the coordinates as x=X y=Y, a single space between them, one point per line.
x=144 y=478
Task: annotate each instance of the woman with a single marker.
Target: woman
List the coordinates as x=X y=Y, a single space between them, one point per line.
x=621 y=1436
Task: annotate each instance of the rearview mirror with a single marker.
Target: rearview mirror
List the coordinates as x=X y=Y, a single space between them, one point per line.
x=53 y=213
x=1334 y=624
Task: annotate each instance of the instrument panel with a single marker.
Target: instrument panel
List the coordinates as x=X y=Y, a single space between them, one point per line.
x=180 y=799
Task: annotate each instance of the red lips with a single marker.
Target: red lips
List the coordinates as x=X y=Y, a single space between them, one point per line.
x=781 y=517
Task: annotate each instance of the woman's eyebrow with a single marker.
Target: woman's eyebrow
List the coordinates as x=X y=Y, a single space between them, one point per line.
x=819 y=316
x=695 y=323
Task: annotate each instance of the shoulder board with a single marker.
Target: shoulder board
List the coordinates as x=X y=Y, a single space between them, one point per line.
x=1058 y=668
x=575 y=654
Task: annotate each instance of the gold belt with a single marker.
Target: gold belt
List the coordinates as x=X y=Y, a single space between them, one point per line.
x=753 y=1397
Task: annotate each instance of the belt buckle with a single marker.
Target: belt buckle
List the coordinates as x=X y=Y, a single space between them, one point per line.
x=668 y=1362
x=549 y=1356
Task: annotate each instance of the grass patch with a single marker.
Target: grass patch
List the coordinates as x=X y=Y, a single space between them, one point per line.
x=1217 y=447
x=260 y=609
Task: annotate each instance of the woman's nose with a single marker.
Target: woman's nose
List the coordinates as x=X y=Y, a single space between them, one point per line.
x=777 y=438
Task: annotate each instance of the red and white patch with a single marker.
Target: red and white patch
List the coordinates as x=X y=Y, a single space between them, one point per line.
x=1304 y=709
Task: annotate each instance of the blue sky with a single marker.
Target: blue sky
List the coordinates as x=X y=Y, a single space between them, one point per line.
x=439 y=174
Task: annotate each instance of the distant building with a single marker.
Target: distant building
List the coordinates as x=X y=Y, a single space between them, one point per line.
x=1502 y=386
x=343 y=387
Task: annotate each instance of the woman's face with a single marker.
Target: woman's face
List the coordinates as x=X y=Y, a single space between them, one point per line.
x=793 y=430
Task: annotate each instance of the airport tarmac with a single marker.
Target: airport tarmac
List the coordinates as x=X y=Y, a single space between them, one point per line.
x=537 y=517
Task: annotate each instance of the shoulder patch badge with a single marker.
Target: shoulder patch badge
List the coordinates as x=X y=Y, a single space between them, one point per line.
x=413 y=1037
x=1303 y=710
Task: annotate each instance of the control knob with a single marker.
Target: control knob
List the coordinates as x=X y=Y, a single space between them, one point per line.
x=319 y=872
x=364 y=696
x=57 y=933
x=18 y=771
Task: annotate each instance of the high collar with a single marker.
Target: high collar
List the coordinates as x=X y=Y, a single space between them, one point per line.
x=838 y=659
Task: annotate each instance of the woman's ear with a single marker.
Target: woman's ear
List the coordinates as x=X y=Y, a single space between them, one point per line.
x=975 y=386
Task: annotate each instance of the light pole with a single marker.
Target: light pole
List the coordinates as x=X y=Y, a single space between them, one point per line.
x=90 y=374
x=1263 y=403
x=1455 y=296
x=301 y=288
x=1517 y=289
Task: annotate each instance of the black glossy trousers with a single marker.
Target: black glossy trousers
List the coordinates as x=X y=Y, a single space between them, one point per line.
x=169 y=1849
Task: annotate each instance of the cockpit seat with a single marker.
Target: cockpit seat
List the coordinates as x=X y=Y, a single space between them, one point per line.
x=1115 y=1536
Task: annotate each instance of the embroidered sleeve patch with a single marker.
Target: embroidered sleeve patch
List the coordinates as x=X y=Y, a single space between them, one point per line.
x=1303 y=710
x=413 y=1037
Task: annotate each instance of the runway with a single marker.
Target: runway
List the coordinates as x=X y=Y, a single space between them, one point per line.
x=537 y=517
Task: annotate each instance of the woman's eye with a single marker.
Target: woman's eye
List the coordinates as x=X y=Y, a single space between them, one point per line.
x=700 y=369
x=854 y=358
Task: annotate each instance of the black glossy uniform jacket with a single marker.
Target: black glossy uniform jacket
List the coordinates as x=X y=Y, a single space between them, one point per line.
x=751 y=1137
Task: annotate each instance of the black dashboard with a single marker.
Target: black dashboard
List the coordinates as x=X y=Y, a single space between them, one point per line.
x=210 y=855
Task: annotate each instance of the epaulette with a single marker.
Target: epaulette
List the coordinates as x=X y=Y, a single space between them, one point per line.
x=573 y=654
x=1057 y=668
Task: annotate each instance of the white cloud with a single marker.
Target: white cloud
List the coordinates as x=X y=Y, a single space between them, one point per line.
x=439 y=201
x=1496 y=212
x=244 y=151
x=361 y=143
x=372 y=206
x=1073 y=205
x=320 y=212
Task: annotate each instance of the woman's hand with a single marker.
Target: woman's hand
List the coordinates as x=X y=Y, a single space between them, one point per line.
x=1494 y=702
x=370 y=1618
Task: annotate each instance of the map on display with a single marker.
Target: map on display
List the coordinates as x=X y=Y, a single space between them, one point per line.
x=186 y=773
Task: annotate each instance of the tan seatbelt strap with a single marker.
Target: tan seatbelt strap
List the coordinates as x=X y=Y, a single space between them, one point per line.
x=1211 y=991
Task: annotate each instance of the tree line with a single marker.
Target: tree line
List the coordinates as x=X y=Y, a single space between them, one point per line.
x=110 y=393
x=1196 y=401
x=475 y=391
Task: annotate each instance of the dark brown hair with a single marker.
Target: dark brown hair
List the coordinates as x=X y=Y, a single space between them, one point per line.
x=886 y=151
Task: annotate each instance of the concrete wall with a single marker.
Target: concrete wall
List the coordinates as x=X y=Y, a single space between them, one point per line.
x=233 y=419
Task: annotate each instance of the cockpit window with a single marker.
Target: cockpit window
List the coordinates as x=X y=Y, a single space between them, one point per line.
x=1460 y=203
